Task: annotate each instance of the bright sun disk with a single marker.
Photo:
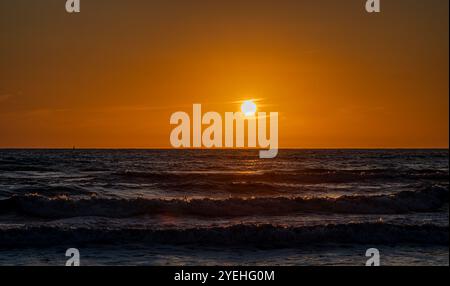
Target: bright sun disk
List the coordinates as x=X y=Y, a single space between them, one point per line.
x=249 y=108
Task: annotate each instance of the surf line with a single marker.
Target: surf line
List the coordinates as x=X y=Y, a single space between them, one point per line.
x=213 y=137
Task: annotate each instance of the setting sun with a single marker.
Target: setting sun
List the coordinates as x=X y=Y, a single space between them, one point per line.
x=248 y=108
x=257 y=136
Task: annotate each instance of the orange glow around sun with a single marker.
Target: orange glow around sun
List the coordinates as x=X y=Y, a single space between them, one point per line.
x=111 y=78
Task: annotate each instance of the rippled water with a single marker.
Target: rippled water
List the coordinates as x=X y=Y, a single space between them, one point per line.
x=153 y=207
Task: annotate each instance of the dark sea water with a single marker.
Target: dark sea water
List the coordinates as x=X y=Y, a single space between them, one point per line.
x=173 y=207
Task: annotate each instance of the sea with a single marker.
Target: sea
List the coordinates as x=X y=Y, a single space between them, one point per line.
x=224 y=207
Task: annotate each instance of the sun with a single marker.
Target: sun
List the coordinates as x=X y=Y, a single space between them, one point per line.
x=249 y=108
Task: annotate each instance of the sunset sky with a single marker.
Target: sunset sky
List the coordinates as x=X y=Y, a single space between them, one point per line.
x=111 y=76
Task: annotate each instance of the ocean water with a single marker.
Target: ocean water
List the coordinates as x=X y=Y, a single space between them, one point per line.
x=212 y=207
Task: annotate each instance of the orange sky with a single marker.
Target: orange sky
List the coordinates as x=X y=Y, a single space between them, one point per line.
x=111 y=76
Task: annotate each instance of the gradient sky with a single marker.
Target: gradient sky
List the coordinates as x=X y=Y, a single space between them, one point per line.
x=111 y=76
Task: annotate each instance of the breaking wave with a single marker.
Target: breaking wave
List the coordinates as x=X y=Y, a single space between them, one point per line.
x=264 y=236
x=425 y=200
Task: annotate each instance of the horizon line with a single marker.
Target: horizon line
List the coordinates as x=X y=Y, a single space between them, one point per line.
x=237 y=149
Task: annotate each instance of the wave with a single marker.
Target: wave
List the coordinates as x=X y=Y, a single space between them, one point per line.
x=25 y=168
x=428 y=199
x=44 y=190
x=308 y=176
x=264 y=236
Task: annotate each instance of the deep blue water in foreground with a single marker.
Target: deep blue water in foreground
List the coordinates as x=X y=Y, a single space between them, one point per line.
x=173 y=207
